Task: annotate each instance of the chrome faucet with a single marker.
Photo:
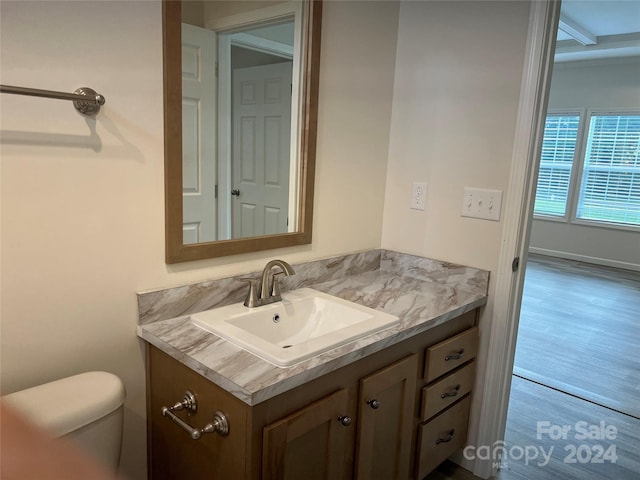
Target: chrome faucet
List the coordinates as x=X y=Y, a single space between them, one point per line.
x=266 y=296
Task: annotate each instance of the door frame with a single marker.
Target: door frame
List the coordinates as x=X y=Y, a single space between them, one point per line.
x=516 y=229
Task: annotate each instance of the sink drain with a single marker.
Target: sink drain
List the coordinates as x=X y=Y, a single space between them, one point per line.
x=287 y=346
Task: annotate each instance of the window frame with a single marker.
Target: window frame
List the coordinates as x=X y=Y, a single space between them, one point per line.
x=573 y=180
x=576 y=178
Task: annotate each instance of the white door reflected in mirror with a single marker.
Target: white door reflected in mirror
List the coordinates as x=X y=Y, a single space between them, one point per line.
x=199 y=172
x=240 y=112
x=260 y=155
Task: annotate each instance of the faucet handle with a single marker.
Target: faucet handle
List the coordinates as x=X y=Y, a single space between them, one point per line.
x=275 y=286
x=251 y=300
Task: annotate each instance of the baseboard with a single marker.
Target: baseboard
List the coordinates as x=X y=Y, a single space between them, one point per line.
x=585 y=258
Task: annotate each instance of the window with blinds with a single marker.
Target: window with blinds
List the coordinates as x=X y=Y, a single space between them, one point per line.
x=607 y=189
x=556 y=162
x=610 y=186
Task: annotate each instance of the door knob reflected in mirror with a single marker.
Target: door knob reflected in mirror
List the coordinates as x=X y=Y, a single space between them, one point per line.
x=235 y=192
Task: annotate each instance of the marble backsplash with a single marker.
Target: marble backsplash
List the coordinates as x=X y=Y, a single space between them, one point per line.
x=469 y=279
x=173 y=302
x=163 y=304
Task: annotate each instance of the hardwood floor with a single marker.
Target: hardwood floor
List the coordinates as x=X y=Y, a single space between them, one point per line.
x=613 y=452
x=577 y=365
x=580 y=331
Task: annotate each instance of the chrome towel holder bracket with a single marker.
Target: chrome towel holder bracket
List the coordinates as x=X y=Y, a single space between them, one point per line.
x=219 y=424
x=86 y=100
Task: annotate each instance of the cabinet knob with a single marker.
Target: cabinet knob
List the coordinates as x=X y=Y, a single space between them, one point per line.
x=375 y=404
x=345 y=420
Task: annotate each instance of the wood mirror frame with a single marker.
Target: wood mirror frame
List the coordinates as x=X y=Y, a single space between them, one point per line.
x=176 y=250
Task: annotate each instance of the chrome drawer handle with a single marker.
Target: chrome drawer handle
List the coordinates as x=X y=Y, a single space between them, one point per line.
x=452 y=393
x=456 y=356
x=219 y=424
x=446 y=439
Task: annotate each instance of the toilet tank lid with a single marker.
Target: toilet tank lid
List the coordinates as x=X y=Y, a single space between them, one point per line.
x=65 y=405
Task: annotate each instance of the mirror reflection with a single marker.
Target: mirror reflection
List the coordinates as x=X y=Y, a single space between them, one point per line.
x=240 y=109
x=241 y=180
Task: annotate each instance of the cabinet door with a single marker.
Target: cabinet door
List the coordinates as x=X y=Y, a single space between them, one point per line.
x=310 y=443
x=385 y=421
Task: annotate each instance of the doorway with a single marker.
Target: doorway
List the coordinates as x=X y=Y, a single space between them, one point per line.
x=573 y=409
x=573 y=404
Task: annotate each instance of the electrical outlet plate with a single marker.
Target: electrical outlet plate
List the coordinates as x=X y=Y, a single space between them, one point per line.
x=418 y=195
x=481 y=203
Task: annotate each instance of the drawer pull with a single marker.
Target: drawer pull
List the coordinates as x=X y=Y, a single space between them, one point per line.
x=375 y=404
x=219 y=424
x=456 y=356
x=451 y=393
x=345 y=420
x=446 y=439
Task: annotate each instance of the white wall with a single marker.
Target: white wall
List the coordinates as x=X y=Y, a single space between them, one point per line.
x=457 y=86
x=82 y=200
x=613 y=83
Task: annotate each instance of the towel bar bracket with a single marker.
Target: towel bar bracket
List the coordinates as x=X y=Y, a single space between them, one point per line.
x=93 y=103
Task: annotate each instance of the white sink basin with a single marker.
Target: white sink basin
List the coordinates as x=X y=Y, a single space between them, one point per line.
x=304 y=324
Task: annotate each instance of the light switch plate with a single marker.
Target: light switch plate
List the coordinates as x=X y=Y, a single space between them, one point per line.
x=481 y=203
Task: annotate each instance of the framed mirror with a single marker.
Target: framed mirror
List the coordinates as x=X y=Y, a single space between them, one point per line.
x=240 y=118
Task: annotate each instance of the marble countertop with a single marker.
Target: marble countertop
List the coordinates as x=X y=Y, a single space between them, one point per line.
x=423 y=293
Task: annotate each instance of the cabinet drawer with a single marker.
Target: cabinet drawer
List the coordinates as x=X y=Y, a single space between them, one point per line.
x=439 y=395
x=451 y=353
x=442 y=436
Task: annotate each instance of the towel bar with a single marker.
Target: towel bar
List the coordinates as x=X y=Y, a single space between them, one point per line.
x=86 y=100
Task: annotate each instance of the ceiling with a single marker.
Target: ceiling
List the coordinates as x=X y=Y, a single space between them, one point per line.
x=591 y=29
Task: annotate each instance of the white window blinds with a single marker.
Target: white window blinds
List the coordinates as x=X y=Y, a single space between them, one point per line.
x=610 y=187
x=558 y=151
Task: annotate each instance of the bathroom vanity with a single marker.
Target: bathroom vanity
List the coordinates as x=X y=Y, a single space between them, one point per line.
x=393 y=404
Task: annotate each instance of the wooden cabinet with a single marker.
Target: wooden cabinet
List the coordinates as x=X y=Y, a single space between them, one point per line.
x=172 y=454
x=309 y=443
x=450 y=371
x=385 y=420
x=377 y=418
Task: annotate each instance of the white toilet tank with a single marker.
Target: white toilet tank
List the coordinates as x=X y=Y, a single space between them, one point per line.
x=87 y=408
